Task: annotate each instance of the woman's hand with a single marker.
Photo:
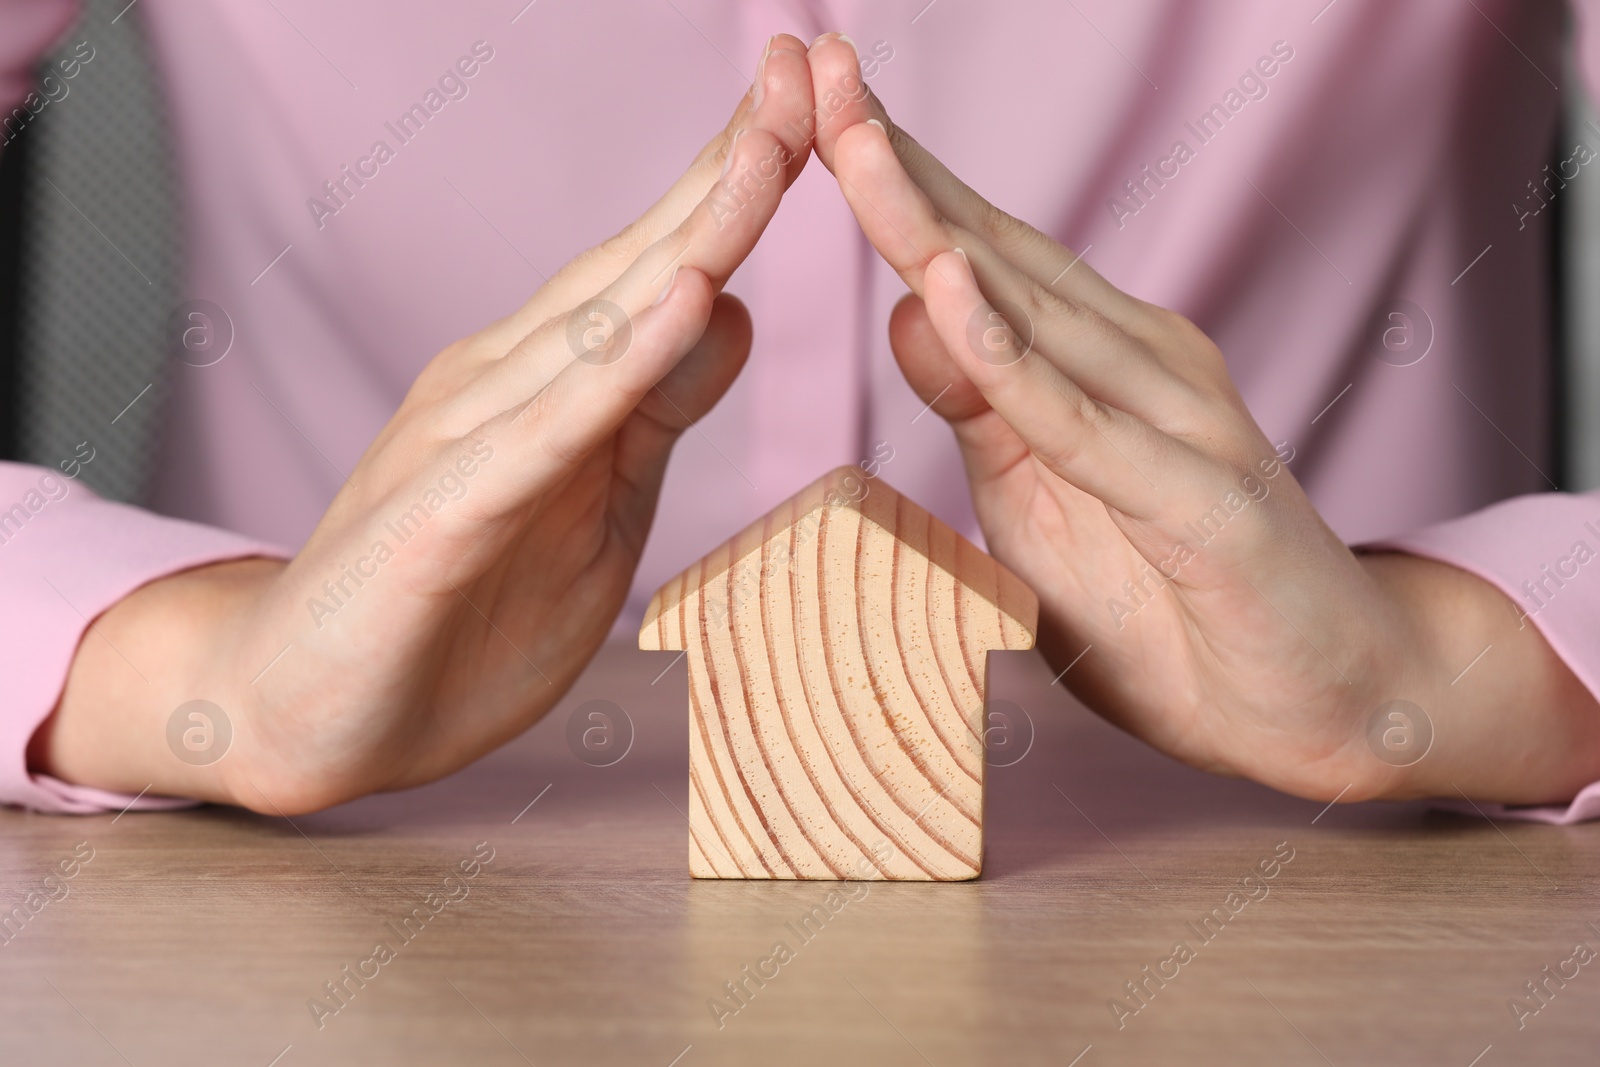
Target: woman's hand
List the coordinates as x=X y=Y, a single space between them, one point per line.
x=1116 y=469
x=486 y=540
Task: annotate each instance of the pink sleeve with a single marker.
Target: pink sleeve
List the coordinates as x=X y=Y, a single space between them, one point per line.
x=27 y=30
x=1544 y=553
x=65 y=557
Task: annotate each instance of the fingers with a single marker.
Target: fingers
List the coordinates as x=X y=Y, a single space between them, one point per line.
x=582 y=391
x=927 y=365
x=841 y=95
x=844 y=100
x=695 y=384
x=989 y=447
x=1103 y=451
x=683 y=397
x=783 y=111
x=783 y=77
x=713 y=241
x=902 y=223
x=781 y=99
x=546 y=438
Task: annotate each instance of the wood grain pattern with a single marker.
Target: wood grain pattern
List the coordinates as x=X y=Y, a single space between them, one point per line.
x=837 y=654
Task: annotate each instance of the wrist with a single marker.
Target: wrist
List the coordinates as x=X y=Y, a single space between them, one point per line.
x=1502 y=716
x=126 y=720
x=1396 y=707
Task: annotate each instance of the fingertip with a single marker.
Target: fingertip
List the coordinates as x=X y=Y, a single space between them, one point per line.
x=894 y=213
x=674 y=323
x=860 y=145
x=684 y=305
x=783 y=100
x=686 y=287
x=960 y=313
x=950 y=276
x=842 y=97
x=784 y=76
x=826 y=41
x=788 y=42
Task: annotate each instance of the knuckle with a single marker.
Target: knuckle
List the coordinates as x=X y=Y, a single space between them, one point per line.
x=1067 y=448
x=561 y=446
x=1039 y=302
x=1001 y=228
x=905 y=146
x=624 y=246
x=1074 y=435
x=529 y=348
x=1187 y=350
x=442 y=375
x=1092 y=326
x=1080 y=321
x=1090 y=414
x=1179 y=326
x=916 y=159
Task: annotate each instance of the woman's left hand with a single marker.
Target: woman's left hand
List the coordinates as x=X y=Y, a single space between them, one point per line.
x=1115 y=467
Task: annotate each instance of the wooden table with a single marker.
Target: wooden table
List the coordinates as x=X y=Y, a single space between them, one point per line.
x=1395 y=935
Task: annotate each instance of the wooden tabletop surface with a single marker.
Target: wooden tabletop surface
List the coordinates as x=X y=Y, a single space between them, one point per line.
x=1395 y=934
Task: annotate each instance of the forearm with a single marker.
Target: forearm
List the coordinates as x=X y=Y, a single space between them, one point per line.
x=157 y=649
x=1510 y=721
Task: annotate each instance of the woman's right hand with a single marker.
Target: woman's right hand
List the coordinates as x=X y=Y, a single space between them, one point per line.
x=485 y=542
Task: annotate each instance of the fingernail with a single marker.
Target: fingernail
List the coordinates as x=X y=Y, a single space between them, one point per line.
x=761 y=75
x=885 y=129
x=846 y=38
x=962 y=252
x=662 y=298
x=733 y=146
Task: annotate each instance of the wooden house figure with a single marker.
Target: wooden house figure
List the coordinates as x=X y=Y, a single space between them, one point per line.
x=837 y=660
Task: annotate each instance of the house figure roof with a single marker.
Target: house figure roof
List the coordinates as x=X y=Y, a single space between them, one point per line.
x=837 y=672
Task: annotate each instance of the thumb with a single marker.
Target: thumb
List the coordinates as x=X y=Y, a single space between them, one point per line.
x=928 y=367
x=989 y=446
x=693 y=387
x=687 y=392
